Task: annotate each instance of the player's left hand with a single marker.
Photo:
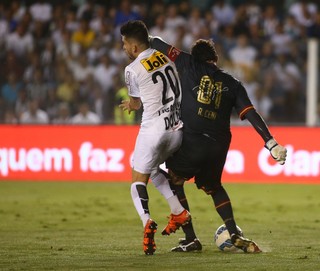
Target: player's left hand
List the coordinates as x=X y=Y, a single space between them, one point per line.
x=278 y=152
x=125 y=105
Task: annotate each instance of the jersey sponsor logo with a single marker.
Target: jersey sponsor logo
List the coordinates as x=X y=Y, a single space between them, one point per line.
x=154 y=62
x=173 y=53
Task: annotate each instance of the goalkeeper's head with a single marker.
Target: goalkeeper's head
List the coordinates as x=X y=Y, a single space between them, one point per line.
x=204 y=50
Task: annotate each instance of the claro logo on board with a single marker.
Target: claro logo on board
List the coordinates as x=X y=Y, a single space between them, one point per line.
x=298 y=163
x=98 y=160
x=58 y=160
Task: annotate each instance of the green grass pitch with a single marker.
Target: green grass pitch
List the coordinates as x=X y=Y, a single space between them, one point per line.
x=94 y=226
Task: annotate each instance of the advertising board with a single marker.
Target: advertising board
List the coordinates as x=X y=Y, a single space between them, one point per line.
x=103 y=153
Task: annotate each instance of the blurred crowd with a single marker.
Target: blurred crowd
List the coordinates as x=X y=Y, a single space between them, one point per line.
x=62 y=61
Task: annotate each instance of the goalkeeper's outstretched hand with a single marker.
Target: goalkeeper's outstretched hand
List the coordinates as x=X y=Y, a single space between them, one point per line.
x=278 y=152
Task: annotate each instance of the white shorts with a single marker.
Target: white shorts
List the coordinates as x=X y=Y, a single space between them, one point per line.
x=151 y=150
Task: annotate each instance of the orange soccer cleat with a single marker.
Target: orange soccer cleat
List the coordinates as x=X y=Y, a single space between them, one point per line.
x=149 y=245
x=176 y=221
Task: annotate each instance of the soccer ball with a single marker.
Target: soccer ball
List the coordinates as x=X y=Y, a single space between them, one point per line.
x=223 y=241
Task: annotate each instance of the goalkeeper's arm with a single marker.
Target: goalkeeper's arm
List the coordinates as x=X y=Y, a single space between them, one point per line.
x=159 y=44
x=278 y=152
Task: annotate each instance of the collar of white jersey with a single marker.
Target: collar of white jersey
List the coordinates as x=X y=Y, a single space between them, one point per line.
x=146 y=53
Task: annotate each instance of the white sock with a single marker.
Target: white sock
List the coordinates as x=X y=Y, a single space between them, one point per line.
x=140 y=199
x=162 y=184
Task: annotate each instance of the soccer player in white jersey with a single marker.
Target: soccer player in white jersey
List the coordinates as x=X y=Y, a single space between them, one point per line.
x=152 y=82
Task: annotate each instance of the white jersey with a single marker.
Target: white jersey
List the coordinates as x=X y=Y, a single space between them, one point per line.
x=153 y=78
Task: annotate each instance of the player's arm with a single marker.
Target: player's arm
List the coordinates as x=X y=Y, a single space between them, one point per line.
x=159 y=44
x=278 y=152
x=165 y=48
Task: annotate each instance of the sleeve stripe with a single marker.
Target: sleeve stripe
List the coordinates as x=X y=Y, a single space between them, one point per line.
x=244 y=111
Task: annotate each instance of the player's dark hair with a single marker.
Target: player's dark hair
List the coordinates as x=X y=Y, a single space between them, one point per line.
x=204 y=50
x=137 y=30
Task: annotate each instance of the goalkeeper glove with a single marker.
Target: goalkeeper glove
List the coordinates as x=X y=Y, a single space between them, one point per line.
x=278 y=152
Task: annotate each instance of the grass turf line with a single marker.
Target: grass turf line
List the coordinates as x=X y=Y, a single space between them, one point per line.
x=94 y=226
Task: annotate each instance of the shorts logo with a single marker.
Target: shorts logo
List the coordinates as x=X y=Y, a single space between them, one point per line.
x=155 y=61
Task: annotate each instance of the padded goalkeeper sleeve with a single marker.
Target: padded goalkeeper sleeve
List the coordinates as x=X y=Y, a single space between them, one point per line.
x=159 y=44
x=259 y=124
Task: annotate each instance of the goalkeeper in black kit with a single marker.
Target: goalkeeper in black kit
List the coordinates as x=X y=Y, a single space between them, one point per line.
x=209 y=95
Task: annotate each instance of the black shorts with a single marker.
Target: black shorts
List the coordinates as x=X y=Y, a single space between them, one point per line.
x=201 y=157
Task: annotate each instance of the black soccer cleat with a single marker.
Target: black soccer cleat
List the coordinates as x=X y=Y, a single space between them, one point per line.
x=187 y=246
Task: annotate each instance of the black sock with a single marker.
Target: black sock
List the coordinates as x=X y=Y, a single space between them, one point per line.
x=187 y=229
x=224 y=208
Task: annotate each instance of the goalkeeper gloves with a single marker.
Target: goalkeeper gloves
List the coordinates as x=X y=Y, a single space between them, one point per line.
x=278 y=152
